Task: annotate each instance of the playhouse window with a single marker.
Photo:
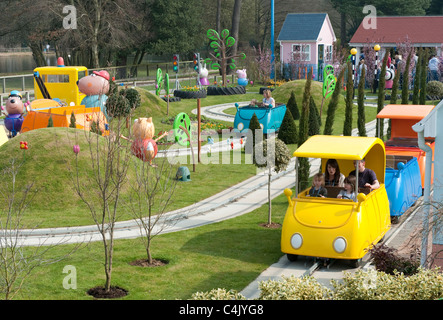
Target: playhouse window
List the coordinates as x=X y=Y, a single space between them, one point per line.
x=301 y=52
x=328 y=53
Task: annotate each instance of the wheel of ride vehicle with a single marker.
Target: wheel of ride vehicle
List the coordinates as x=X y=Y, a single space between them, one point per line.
x=180 y=135
x=394 y=219
x=355 y=263
x=292 y=257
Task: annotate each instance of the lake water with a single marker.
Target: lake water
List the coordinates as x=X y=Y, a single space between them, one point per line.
x=21 y=63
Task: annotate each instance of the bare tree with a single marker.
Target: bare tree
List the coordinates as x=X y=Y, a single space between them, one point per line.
x=16 y=262
x=151 y=195
x=101 y=189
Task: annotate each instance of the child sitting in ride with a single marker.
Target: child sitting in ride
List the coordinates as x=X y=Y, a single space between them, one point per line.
x=349 y=192
x=253 y=103
x=318 y=186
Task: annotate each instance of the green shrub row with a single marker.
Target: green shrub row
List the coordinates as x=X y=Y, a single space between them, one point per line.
x=426 y=284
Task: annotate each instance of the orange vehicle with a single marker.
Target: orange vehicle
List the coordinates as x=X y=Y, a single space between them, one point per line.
x=403 y=143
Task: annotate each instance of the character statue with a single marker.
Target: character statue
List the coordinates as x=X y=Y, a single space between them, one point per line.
x=143 y=146
x=203 y=75
x=14 y=113
x=242 y=78
x=95 y=87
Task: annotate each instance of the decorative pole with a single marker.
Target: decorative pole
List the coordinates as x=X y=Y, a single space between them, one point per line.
x=353 y=52
x=272 y=42
x=377 y=49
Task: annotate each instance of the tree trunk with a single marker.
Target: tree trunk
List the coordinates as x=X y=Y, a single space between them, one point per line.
x=235 y=29
x=343 y=41
x=37 y=54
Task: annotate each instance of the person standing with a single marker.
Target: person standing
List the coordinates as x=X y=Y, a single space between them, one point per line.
x=434 y=65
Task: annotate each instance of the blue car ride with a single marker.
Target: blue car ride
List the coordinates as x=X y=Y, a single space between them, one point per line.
x=270 y=118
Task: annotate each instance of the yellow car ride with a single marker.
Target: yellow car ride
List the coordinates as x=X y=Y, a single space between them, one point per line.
x=331 y=227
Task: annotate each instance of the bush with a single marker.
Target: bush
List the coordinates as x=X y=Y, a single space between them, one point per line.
x=293 y=288
x=288 y=129
x=376 y=285
x=426 y=284
x=280 y=155
x=387 y=260
x=435 y=89
x=218 y=294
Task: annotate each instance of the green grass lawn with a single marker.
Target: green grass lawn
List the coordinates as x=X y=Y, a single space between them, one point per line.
x=229 y=254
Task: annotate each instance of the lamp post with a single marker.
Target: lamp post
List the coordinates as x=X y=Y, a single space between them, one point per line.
x=377 y=49
x=272 y=42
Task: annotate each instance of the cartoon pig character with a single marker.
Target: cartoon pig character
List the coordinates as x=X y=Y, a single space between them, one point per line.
x=242 y=80
x=96 y=87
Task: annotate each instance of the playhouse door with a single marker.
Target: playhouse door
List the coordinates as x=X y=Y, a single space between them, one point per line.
x=320 y=64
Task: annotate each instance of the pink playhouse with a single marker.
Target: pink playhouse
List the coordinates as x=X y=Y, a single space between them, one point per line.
x=306 y=41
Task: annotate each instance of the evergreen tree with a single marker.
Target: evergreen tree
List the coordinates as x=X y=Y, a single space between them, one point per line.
x=72 y=123
x=381 y=93
x=288 y=129
x=304 y=166
x=292 y=106
x=50 y=122
x=416 y=90
x=424 y=74
x=332 y=106
x=347 y=125
x=254 y=126
x=361 y=121
x=314 y=118
x=405 y=84
x=303 y=131
x=394 y=91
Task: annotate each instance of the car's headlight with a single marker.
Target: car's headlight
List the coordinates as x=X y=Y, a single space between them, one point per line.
x=296 y=240
x=240 y=126
x=340 y=244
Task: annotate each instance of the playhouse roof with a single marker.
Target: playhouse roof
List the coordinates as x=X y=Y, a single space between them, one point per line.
x=391 y=30
x=302 y=26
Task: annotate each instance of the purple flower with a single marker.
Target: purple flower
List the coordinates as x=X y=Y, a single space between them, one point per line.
x=76 y=148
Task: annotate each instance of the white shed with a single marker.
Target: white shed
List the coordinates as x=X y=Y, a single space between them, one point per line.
x=432 y=126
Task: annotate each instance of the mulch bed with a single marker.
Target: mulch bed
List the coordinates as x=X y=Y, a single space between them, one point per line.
x=145 y=263
x=114 y=292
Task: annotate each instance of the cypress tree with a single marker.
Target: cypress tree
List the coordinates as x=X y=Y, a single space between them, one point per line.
x=361 y=121
x=314 y=118
x=288 y=129
x=292 y=106
x=303 y=131
x=254 y=125
x=347 y=125
x=381 y=93
x=50 y=122
x=72 y=123
x=405 y=84
x=416 y=90
x=304 y=166
x=394 y=91
x=333 y=103
x=424 y=74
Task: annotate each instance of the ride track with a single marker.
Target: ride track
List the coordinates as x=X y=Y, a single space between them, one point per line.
x=220 y=207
